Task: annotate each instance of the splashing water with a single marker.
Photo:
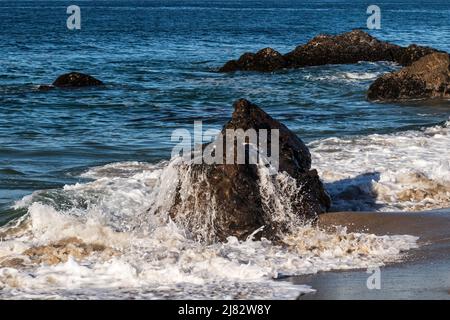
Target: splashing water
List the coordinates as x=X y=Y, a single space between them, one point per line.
x=137 y=251
x=406 y=171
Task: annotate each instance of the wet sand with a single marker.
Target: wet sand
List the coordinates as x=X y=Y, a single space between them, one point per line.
x=424 y=273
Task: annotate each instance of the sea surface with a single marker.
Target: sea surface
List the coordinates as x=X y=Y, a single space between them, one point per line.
x=90 y=163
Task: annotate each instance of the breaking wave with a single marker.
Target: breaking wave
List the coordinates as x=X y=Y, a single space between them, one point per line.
x=350 y=77
x=112 y=238
x=404 y=171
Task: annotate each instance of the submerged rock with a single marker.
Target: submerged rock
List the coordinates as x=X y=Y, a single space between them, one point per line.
x=76 y=80
x=411 y=54
x=238 y=199
x=45 y=87
x=427 y=78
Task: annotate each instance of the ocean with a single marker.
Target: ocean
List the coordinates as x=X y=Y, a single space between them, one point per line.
x=90 y=163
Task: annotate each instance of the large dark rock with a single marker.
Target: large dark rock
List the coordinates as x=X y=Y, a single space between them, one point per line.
x=425 y=74
x=427 y=78
x=346 y=48
x=76 y=80
x=350 y=47
x=237 y=199
x=411 y=54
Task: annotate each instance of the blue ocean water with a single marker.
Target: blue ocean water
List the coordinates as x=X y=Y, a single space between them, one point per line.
x=159 y=60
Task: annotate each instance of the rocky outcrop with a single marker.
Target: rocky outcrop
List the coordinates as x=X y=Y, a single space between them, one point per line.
x=264 y=60
x=427 y=78
x=76 y=80
x=409 y=55
x=425 y=75
x=238 y=199
x=350 y=47
x=72 y=80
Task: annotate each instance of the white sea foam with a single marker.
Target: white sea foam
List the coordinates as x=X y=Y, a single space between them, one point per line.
x=406 y=171
x=361 y=75
x=152 y=257
x=350 y=77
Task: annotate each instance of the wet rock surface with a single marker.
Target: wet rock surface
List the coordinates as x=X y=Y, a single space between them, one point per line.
x=350 y=47
x=346 y=48
x=409 y=55
x=425 y=74
x=266 y=59
x=232 y=198
x=76 y=80
x=427 y=78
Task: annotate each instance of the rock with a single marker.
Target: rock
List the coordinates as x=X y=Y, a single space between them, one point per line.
x=411 y=54
x=264 y=60
x=423 y=77
x=233 y=199
x=427 y=78
x=76 y=80
x=346 y=48
x=350 y=47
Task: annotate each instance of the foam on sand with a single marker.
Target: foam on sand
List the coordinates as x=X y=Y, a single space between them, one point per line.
x=407 y=171
x=106 y=239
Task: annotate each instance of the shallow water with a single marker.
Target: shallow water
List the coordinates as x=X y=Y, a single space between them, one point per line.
x=87 y=163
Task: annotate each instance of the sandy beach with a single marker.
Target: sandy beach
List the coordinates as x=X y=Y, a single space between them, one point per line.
x=423 y=273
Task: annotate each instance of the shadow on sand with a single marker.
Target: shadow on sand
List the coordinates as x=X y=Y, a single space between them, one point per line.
x=354 y=194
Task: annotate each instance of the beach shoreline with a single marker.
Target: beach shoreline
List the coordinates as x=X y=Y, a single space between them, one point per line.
x=422 y=274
